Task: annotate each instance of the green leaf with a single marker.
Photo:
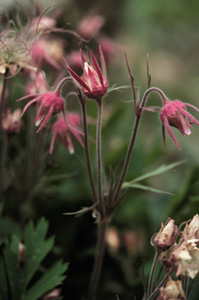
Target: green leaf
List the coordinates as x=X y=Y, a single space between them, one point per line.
x=144 y=187
x=36 y=247
x=8 y=228
x=158 y=171
x=11 y=255
x=52 y=278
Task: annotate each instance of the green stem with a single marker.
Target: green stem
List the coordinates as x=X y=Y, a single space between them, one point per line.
x=95 y=277
x=87 y=152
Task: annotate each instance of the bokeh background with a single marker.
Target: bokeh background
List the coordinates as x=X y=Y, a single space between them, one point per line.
x=168 y=32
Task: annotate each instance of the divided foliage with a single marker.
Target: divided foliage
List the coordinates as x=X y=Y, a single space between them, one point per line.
x=24 y=279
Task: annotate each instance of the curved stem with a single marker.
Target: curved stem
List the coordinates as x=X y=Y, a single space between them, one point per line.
x=59 y=86
x=132 y=141
x=150 y=284
x=99 y=160
x=87 y=152
x=95 y=277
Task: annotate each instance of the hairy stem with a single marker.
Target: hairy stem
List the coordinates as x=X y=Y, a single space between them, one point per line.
x=133 y=137
x=99 y=160
x=95 y=277
x=87 y=153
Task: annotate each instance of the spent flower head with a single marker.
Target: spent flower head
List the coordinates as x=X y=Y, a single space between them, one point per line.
x=93 y=82
x=14 y=52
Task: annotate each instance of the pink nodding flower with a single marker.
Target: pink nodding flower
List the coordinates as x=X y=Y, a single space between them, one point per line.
x=93 y=82
x=49 y=103
x=65 y=130
x=174 y=114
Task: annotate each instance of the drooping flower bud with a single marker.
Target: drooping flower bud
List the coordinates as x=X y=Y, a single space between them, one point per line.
x=47 y=104
x=64 y=132
x=174 y=114
x=166 y=237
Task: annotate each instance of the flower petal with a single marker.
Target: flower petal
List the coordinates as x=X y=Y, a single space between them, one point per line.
x=103 y=62
x=78 y=79
x=47 y=117
x=170 y=132
x=29 y=103
x=97 y=68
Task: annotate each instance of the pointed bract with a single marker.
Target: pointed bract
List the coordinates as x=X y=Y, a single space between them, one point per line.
x=93 y=82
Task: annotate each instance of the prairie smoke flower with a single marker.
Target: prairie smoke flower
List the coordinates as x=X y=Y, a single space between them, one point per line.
x=49 y=103
x=166 y=237
x=14 y=52
x=174 y=114
x=11 y=122
x=64 y=132
x=93 y=82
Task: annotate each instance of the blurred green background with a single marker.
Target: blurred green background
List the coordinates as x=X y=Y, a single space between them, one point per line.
x=169 y=32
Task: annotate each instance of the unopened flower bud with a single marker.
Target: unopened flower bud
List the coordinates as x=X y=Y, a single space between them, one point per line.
x=166 y=237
